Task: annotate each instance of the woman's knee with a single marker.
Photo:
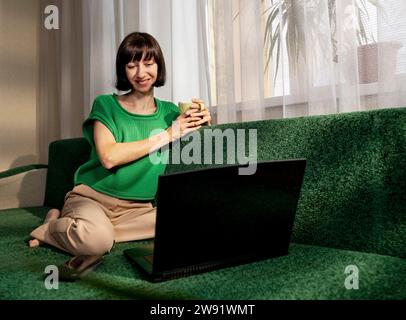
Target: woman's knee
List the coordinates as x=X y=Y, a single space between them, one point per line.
x=82 y=237
x=97 y=241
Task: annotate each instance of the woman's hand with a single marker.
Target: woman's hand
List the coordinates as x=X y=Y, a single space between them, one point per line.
x=199 y=110
x=185 y=123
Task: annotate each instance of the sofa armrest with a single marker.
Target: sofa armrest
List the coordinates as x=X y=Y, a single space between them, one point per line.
x=23 y=186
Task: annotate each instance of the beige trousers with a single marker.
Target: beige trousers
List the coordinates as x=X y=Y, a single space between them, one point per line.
x=91 y=222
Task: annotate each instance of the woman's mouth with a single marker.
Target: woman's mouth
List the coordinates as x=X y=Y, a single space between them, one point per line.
x=143 y=83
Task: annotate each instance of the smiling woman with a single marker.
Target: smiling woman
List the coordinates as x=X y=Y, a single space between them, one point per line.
x=140 y=67
x=113 y=191
x=139 y=49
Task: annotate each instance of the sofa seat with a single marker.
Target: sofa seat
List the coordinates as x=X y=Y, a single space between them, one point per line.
x=307 y=272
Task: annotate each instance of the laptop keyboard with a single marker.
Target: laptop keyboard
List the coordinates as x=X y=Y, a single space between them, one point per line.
x=188 y=271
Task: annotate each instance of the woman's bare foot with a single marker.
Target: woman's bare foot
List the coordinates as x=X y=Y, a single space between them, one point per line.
x=52 y=214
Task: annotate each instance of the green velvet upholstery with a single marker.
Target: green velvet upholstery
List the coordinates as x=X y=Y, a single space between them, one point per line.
x=351 y=212
x=65 y=156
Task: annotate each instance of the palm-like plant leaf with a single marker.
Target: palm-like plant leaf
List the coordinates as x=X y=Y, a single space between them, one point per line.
x=284 y=19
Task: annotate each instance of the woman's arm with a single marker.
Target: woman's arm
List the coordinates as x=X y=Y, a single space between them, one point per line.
x=112 y=154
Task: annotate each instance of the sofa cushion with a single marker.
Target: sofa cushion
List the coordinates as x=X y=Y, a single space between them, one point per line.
x=64 y=157
x=308 y=272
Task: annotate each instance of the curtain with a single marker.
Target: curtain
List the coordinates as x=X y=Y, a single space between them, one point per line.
x=329 y=56
x=180 y=27
x=60 y=90
x=105 y=24
x=77 y=63
x=237 y=60
x=289 y=58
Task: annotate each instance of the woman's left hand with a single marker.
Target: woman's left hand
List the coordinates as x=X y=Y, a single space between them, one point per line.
x=204 y=112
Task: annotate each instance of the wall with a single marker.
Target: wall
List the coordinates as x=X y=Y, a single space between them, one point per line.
x=19 y=21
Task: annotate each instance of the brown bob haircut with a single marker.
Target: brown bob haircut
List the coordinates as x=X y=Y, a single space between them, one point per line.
x=134 y=47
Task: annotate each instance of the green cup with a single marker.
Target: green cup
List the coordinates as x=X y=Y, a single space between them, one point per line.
x=184 y=106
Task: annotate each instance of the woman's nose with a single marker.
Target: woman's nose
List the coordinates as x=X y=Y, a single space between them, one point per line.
x=140 y=70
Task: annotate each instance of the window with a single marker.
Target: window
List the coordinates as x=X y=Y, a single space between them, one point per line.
x=278 y=72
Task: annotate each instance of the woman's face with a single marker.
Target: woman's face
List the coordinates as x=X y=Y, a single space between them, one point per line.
x=142 y=74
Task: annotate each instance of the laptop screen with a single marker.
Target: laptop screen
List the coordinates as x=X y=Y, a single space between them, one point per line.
x=216 y=215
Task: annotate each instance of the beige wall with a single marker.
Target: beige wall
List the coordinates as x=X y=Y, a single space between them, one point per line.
x=19 y=21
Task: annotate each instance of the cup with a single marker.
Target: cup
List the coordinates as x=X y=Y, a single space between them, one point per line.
x=184 y=106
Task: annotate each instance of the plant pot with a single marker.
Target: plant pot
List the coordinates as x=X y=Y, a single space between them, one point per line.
x=377 y=61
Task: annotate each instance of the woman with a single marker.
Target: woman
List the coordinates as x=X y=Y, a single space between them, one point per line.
x=113 y=191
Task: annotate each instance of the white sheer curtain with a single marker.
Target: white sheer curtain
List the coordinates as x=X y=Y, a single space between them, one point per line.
x=215 y=50
x=105 y=24
x=237 y=60
x=102 y=30
x=338 y=74
x=180 y=28
x=318 y=65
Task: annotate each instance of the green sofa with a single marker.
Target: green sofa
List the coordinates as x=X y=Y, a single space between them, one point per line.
x=351 y=217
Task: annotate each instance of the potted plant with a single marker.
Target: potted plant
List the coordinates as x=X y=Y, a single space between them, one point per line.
x=292 y=12
x=368 y=61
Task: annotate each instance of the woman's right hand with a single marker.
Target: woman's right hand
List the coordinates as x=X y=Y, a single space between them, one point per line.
x=183 y=125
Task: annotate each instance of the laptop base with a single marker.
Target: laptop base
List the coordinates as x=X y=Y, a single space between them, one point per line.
x=140 y=258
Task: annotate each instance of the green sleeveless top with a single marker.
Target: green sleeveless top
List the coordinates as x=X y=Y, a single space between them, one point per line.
x=137 y=180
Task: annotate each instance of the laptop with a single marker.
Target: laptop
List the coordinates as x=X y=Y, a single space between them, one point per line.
x=214 y=218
